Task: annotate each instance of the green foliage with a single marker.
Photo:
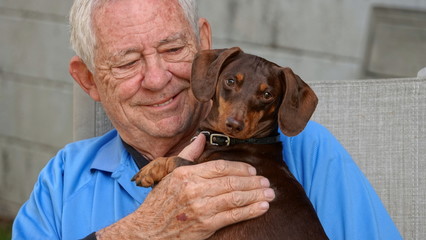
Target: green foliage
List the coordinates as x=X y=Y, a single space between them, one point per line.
x=5 y=230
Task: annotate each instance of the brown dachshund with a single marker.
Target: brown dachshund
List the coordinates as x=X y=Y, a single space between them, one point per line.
x=252 y=97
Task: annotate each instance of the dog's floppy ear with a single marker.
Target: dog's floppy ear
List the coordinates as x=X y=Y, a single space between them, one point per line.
x=298 y=104
x=206 y=67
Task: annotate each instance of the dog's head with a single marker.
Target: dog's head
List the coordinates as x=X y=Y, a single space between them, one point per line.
x=250 y=94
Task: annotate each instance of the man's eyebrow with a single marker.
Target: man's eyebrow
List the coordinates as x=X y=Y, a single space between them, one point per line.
x=124 y=52
x=172 y=38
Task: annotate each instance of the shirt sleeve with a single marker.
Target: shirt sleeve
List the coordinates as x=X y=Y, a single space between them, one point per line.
x=346 y=203
x=39 y=217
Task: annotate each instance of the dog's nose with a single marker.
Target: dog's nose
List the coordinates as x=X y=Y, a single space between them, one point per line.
x=234 y=125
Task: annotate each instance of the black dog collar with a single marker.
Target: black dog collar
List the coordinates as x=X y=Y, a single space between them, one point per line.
x=218 y=139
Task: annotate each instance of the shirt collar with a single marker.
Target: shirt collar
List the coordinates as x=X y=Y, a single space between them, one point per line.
x=139 y=159
x=113 y=158
x=109 y=156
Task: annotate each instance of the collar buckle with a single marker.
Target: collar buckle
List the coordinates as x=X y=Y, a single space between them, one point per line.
x=217 y=139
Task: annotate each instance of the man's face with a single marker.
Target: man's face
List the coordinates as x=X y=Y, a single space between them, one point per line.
x=143 y=62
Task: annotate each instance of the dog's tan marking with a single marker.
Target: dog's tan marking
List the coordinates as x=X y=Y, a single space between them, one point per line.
x=225 y=108
x=239 y=77
x=263 y=87
x=271 y=110
x=229 y=109
x=253 y=118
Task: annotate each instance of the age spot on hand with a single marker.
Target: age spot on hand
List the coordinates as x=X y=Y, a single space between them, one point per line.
x=182 y=217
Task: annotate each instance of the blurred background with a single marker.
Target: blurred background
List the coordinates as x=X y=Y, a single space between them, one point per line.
x=318 y=39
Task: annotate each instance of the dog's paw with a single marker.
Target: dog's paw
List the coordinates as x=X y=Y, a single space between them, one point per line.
x=149 y=175
x=143 y=180
x=157 y=169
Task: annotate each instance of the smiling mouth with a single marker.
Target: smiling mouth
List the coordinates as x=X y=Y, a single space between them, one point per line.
x=164 y=103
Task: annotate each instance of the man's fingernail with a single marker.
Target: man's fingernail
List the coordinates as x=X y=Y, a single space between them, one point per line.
x=264 y=182
x=194 y=137
x=269 y=193
x=252 y=170
x=264 y=205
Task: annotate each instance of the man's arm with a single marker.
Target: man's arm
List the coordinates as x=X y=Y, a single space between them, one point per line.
x=194 y=201
x=191 y=203
x=39 y=217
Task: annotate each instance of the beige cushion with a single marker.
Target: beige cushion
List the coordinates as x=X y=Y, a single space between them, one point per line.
x=382 y=124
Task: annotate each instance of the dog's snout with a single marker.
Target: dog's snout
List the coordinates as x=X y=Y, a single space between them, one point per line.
x=234 y=125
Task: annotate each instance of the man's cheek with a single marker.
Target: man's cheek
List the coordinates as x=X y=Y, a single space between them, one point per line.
x=181 y=70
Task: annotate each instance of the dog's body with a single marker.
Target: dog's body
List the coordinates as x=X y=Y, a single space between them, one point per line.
x=290 y=216
x=251 y=98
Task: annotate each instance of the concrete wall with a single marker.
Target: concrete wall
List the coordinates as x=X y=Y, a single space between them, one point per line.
x=35 y=93
x=319 y=39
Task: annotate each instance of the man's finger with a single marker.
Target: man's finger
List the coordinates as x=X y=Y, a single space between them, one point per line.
x=238 y=214
x=238 y=199
x=194 y=149
x=221 y=168
x=223 y=185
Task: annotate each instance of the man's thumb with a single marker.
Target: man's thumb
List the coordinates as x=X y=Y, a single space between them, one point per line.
x=194 y=149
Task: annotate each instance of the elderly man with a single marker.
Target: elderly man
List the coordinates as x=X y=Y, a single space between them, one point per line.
x=134 y=56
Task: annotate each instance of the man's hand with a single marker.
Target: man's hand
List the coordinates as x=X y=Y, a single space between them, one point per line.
x=194 y=201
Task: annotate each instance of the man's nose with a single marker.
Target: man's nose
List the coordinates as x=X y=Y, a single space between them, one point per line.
x=156 y=75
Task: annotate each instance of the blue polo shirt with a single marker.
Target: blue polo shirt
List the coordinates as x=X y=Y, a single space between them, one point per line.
x=87 y=186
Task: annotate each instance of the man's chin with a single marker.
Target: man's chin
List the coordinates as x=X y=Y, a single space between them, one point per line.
x=170 y=129
x=183 y=122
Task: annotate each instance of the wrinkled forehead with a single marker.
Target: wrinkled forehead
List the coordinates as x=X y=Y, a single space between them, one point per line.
x=155 y=18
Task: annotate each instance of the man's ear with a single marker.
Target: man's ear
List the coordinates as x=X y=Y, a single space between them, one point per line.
x=205 y=34
x=83 y=77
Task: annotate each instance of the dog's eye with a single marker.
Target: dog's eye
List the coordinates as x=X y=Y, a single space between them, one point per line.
x=267 y=95
x=230 y=82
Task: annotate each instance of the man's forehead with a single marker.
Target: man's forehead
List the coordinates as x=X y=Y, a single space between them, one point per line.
x=125 y=28
x=146 y=12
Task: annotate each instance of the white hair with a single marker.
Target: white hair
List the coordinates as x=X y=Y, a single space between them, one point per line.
x=82 y=36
